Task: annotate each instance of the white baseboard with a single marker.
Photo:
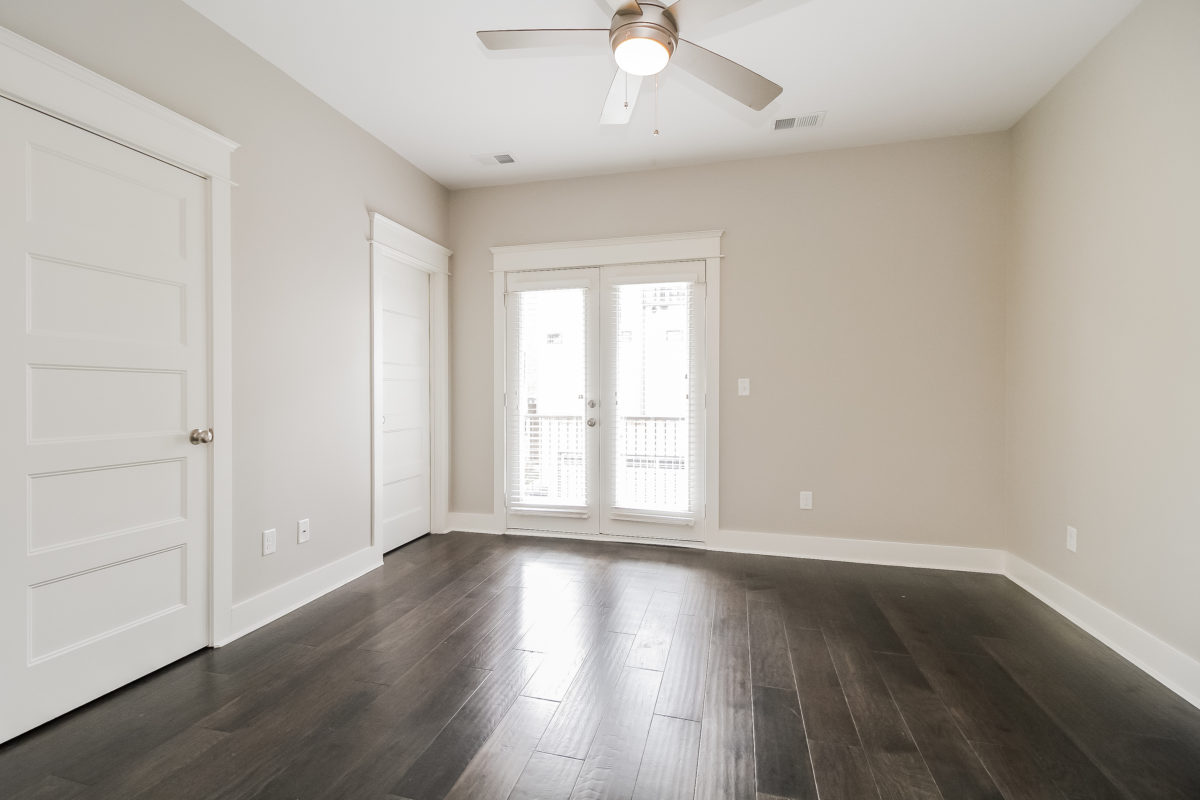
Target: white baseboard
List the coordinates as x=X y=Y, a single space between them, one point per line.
x=863 y=551
x=1176 y=670
x=473 y=523
x=254 y=612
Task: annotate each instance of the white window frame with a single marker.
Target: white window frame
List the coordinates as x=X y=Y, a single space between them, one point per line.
x=45 y=81
x=625 y=252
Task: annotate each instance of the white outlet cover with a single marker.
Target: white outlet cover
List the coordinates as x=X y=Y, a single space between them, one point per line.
x=268 y=541
x=806 y=501
x=1072 y=538
x=743 y=387
x=302 y=531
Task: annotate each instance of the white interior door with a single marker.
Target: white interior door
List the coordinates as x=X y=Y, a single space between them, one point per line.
x=402 y=473
x=604 y=400
x=104 y=503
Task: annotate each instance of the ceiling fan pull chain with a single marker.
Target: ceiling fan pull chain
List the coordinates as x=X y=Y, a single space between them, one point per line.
x=656 y=133
x=627 y=90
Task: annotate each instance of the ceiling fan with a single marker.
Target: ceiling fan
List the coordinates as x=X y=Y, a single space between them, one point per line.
x=644 y=37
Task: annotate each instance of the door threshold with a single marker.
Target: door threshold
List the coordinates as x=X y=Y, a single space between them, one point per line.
x=691 y=544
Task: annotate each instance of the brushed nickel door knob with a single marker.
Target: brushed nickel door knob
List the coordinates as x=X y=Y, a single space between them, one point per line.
x=201 y=436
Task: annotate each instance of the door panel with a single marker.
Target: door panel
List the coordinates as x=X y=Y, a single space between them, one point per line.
x=653 y=440
x=553 y=453
x=403 y=471
x=104 y=503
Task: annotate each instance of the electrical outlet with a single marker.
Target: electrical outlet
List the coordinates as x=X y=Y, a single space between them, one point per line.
x=806 y=501
x=1072 y=538
x=743 y=387
x=268 y=542
x=302 y=531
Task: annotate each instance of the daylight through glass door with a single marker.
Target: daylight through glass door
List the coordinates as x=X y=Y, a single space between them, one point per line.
x=603 y=399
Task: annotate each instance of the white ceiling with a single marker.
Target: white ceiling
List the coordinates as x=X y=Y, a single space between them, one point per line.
x=414 y=75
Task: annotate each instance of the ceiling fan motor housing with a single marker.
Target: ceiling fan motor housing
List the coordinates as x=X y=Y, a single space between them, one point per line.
x=654 y=23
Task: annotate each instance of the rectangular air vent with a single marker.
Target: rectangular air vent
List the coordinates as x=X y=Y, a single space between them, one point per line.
x=492 y=159
x=812 y=119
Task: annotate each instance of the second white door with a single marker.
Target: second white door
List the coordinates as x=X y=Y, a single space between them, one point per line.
x=403 y=473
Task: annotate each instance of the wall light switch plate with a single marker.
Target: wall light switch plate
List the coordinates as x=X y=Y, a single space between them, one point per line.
x=806 y=501
x=1072 y=538
x=268 y=542
x=743 y=387
x=302 y=535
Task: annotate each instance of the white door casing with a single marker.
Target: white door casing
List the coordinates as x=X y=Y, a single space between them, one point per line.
x=402 y=262
x=104 y=503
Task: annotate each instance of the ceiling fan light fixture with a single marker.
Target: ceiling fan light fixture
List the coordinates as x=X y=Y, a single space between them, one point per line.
x=643 y=44
x=642 y=55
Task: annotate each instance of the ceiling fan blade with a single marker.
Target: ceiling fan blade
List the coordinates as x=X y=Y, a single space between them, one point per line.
x=619 y=6
x=730 y=77
x=544 y=37
x=692 y=15
x=622 y=97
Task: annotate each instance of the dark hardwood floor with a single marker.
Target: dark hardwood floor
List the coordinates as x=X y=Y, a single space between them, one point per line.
x=480 y=667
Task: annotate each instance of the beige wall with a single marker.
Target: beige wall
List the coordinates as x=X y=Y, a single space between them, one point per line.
x=1104 y=325
x=301 y=329
x=861 y=294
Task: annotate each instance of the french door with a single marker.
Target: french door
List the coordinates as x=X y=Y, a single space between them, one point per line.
x=604 y=400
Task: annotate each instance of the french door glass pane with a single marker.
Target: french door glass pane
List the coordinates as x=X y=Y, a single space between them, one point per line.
x=653 y=362
x=548 y=453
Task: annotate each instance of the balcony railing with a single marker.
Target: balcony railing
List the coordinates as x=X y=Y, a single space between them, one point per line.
x=650 y=463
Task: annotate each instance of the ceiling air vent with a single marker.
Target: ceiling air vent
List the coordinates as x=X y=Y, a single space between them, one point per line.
x=492 y=159
x=810 y=120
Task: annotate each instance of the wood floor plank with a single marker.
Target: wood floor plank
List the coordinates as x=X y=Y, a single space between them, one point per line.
x=826 y=715
x=1016 y=774
x=579 y=714
x=53 y=787
x=547 y=777
x=951 y=760
x=610 y=769
x=169 y=756
x=366 y=759
x=565 y=656
x=783 y=766
x=896 y=763
x=653 y=640
x=997 y=711
x=630 y=609
x=842 y=772
x=431 y=776
x=770 y=662
x=668 y=766
x=726 y=764
x=682 y=691
x=495 y=769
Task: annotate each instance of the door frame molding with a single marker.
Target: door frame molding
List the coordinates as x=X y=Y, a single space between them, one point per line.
x=45 y=81
x=627 y=250
x=392 y=240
